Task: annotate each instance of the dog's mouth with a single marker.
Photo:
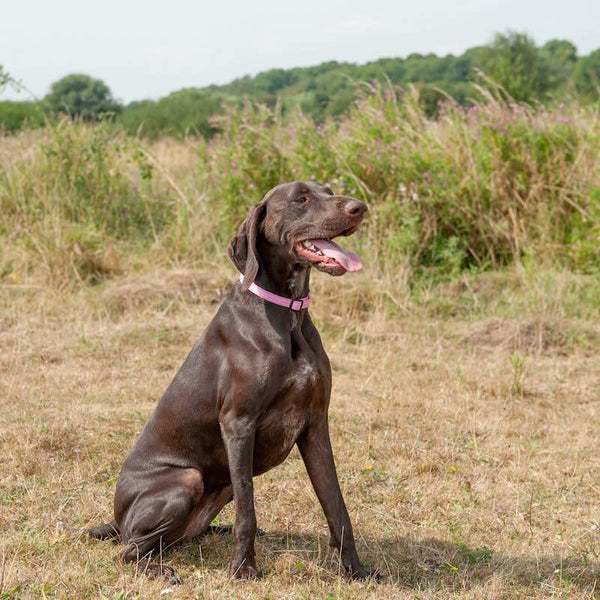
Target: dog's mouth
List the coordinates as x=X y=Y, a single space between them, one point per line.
x=328 y=256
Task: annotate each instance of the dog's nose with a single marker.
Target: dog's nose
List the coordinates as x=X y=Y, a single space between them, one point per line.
x=355 y=208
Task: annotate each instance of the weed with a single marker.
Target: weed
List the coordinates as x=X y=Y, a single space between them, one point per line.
x=519 y=370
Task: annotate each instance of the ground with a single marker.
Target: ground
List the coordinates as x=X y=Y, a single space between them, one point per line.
x=466 y=445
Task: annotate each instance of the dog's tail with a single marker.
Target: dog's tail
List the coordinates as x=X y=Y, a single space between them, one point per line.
x=108 y=531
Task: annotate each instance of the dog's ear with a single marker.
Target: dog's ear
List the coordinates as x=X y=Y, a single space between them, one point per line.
x=242 y=247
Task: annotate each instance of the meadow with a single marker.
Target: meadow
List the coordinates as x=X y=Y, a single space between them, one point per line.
x=466 y=399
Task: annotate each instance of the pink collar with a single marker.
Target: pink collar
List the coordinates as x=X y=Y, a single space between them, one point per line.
x=279 y=300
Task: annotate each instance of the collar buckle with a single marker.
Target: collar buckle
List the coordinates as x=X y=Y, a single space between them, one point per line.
x=301 y=301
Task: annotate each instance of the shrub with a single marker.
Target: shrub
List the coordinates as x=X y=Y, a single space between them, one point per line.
x=246 y=159
x=481 y=186
x=78 y=190
x=185 y=112
x=15 y=116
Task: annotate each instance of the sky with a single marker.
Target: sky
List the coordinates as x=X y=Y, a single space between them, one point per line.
x=149 y=49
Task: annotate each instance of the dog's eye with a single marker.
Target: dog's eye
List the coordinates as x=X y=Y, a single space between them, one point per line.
x=301 y=199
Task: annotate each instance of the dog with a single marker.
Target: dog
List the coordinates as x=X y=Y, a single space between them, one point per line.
x=257 y=382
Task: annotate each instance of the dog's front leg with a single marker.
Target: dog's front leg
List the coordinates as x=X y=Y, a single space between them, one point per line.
x=315 y=447
x=238 y=434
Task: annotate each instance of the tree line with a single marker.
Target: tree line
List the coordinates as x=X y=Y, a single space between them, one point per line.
x=526 y=72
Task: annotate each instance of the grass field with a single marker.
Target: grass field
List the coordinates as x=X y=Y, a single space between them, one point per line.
x=466 y=400
x=465 y=427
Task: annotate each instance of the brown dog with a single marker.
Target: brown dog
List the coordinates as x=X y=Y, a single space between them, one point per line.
x=257 y=382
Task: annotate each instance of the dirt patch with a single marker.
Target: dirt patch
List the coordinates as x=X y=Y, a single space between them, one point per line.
x=531 y=337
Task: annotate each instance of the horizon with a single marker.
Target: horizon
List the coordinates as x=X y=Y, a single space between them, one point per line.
x=150 y=63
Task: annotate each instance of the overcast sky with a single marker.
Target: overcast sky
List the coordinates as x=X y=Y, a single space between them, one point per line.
x=148 y=49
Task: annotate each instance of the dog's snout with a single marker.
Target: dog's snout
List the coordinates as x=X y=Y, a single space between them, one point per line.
x=355 y=208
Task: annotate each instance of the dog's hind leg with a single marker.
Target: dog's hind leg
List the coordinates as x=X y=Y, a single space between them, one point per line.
x=108 y=531
x=158 y=519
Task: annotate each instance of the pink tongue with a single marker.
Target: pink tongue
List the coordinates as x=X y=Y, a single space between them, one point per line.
x=348 y=260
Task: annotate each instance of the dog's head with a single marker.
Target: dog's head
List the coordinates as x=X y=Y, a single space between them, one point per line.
x=300 y=220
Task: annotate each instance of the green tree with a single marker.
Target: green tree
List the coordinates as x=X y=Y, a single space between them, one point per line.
x=587 y=75
x=562 y=51
x=187 y=111
x=82 y=96
x=270 y=82
x=514 y=62
x=561 y=57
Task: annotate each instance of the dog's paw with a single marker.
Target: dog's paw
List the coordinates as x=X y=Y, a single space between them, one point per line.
x=245 y=570
x=362 y=574
x=374 y=575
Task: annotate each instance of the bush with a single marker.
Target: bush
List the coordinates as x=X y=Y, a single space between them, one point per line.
x=182 y=113
x=246 y=159
x=15 y=116
x=79 y=189
x=479 y=187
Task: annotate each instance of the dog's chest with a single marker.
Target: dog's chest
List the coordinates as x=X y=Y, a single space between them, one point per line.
x=304 y=375
x=304 y=389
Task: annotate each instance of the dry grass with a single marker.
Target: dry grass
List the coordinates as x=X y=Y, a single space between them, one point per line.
x=468 y=473
x=464 y=414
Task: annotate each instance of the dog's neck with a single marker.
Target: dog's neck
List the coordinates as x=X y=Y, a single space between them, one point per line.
x=279 y=275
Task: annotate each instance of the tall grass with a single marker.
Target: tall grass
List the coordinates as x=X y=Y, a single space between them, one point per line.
x=477 y=188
